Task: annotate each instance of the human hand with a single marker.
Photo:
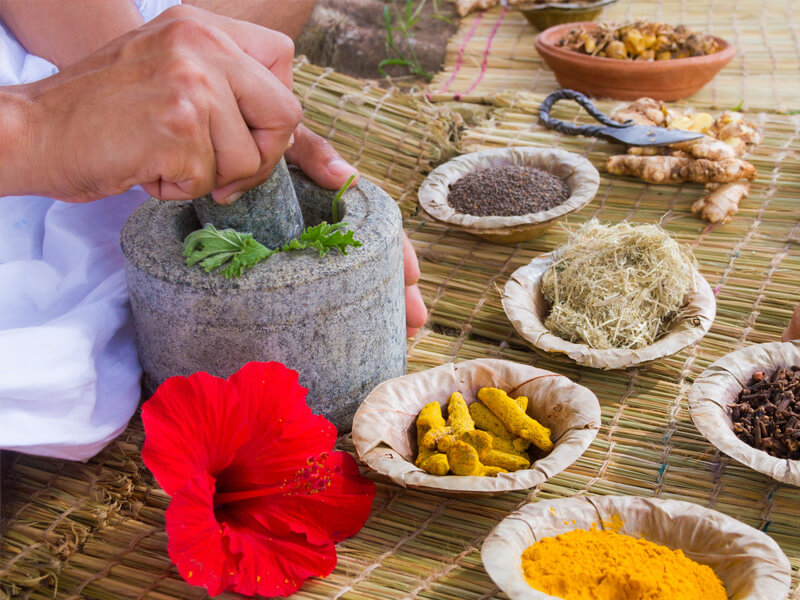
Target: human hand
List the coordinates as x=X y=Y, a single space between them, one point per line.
x=792 y=332
x=318 y=159
x=189 y=103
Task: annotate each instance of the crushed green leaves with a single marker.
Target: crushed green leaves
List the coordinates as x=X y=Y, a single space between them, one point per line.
x=216 y=248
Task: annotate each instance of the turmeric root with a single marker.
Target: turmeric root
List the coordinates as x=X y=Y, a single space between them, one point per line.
x=458 y=417
x=428 y=459
x=434 y=437
x=490 y=456
x=485 y=420
x=458 y=421
x=464 y=460
x=515 y=420
x=434 y=463
x=722 y=202
x=672 y=169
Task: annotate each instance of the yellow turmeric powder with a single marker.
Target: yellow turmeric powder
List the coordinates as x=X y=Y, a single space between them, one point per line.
x=514 y=418
x=606 y=565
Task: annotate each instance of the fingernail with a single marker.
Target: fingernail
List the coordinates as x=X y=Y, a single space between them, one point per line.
x=339 y=167
x=232 y=198
x=291 y=141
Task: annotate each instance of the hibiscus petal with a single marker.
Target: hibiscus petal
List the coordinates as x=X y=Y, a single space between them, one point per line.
x=271 y=565
x=331 y=513
x=286 y=434
x=196 y=543
x=192 y=425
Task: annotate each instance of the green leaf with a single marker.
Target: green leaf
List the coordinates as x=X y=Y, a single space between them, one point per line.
x=323 y=238
x=339 y=194
x=392 y=61
x=214 y=248
x=387 y=23
x=738 y=107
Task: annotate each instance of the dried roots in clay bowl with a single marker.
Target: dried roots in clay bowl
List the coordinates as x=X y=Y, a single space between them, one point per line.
x=747 y=563
x=511 y=194
x=473 y=409
x=748 y=405
x=612 y=297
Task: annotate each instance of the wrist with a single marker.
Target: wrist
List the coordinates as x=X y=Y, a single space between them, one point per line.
x=17 y=142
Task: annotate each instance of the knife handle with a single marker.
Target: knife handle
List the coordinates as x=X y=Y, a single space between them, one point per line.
x=568 y=128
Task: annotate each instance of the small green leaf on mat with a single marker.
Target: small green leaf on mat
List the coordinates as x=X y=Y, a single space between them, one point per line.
x=738 y=107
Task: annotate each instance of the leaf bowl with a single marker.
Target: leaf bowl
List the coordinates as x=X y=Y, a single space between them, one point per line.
x=384 y=428
x=748 y=562
x=527 y=309
x=578 y=173
x=719 y=386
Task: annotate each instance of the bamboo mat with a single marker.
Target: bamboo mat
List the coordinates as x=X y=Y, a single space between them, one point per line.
x=494 y=51
x=96 y=530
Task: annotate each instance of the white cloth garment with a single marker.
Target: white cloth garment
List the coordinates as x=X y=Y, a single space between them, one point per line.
x=69 y=375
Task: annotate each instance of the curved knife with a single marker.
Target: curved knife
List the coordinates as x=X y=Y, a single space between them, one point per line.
x=626 y=133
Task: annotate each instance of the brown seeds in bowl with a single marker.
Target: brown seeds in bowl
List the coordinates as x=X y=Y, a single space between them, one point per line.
x=766 y=414
x=507 y=191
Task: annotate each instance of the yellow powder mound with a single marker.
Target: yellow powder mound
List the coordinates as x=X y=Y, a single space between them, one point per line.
x=605 y=565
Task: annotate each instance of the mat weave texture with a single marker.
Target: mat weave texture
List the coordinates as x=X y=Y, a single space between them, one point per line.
x=494 y=51
x=96 y=530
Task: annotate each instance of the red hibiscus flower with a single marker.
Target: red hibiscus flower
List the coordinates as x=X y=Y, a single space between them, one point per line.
x=259 y=497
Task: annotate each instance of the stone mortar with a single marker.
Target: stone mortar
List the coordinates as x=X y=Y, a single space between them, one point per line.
x=270 y=211
x=339 y=321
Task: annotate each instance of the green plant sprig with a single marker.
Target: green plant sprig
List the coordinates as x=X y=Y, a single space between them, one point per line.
x=216 y=248
x=404 y=23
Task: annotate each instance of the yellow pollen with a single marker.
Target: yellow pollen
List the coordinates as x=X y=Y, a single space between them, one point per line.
x=191 y=573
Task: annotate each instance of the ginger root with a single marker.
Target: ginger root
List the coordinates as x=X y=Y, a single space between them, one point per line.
x=676 y=169
x=515 y=420
x=428 y=459
x=464 y=460
x=644 y=111
x=714 y=159
x=722 y=202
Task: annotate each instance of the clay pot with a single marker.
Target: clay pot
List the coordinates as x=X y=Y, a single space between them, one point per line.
x=542 y=16
x=628 y=79
x=338 y=320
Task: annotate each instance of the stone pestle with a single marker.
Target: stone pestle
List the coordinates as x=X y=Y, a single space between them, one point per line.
x=269 y=211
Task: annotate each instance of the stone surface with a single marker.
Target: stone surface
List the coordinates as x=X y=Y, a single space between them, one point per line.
x=270 y=211
x=338 y=320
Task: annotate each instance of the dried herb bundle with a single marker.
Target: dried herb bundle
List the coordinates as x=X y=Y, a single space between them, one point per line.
x=766 y=415
x=617 y=286
x=639 y=40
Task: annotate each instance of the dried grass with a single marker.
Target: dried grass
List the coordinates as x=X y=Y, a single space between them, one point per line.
x=617 y=286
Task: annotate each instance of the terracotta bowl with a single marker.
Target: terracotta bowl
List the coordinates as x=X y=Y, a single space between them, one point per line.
x=542 y=16
x=627 y=79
